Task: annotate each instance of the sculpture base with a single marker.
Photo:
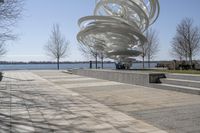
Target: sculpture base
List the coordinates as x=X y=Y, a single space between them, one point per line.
x=129 y=77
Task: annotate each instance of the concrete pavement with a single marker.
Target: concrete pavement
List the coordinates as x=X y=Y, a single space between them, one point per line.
x=39 y=102
x=172 y=111
x=53 y=101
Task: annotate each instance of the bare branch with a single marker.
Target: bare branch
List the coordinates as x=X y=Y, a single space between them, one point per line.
x=10 y=12
x=186 y=43
x=150 y=48
x=87 y=51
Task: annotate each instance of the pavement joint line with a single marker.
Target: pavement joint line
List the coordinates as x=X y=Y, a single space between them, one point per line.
x=183 y=80
x=94 y=84
x=75 y=79
x=179 y=86
x=178 y=74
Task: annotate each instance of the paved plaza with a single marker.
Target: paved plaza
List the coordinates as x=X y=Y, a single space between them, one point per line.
x=54 y=101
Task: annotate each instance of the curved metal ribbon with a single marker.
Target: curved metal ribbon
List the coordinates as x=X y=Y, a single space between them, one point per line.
x=117 y=27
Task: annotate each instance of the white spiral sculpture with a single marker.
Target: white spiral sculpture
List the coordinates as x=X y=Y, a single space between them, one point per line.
x=117 y=27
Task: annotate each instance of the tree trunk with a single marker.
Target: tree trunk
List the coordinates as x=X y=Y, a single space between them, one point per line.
x=143 y=62
x=58 y=63
x=96 y=61
x=186 y=58
x=102 y=62
x=191 y=62
x=149 y=62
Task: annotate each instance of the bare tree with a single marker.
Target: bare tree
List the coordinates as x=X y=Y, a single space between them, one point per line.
x=89 y=52
x=10 y=12
x=150 y=48
x=178 y=49
x=144 y=49
x=57 y=45
x=186 y=40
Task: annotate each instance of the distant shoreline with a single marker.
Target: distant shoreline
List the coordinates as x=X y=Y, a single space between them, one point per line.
x=46 y=62
x=63 y=62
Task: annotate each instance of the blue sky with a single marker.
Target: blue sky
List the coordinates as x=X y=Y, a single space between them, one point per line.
x=34 y=28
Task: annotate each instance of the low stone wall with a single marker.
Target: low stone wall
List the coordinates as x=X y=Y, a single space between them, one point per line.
x=129 y=77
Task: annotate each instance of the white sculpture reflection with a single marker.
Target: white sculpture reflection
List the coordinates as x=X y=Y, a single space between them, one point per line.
x=117 y=27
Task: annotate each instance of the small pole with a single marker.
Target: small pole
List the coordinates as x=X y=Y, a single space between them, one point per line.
x=102 y=62
x=90 y=64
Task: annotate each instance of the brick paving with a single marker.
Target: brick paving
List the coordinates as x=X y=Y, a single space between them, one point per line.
x=38 y=101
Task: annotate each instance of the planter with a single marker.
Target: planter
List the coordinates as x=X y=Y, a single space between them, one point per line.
x=1 y=76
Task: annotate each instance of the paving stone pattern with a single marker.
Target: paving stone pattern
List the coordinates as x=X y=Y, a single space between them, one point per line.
x=172 y=111
x=39 y=102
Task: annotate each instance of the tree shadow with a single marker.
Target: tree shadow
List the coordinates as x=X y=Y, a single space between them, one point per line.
x=27 y=111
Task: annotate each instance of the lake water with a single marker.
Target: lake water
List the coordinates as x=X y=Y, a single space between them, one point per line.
x=64 y=66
